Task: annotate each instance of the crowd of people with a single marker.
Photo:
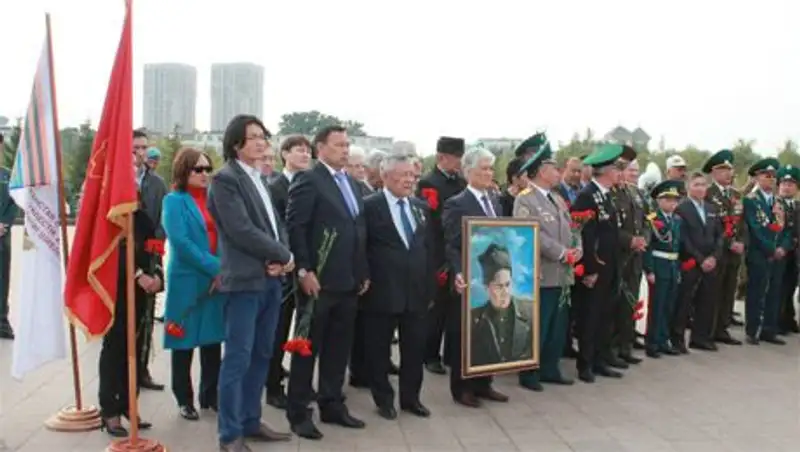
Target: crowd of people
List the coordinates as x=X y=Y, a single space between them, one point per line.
x=373 y=248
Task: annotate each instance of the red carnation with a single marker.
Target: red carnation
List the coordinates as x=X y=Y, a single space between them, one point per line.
x=658 y=224
x=174 y=330
x=154 y=246
x=638 y=315
x=299 y=345
x=441 y=278
x=432 y=196
x=579 y=270
x=775 y=227
x=688 y=264
x=571 y=258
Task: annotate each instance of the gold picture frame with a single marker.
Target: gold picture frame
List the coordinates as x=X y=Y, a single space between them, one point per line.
x=500 y=313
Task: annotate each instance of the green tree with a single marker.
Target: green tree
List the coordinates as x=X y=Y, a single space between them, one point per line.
x=789 y=155
x=743 y=157
x=169 y=147
x=11 y=143
x=310 y=122
x=76 y=161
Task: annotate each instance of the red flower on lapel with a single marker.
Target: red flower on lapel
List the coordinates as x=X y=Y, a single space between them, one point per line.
x=432 y=196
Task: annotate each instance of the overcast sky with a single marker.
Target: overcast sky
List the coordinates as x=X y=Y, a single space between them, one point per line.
x=702 y=72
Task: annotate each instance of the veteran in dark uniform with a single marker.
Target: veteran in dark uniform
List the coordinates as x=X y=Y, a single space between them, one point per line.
x=8 y=211
x=765 y=256
x=558 y=247
x=661 y=265
x=440 y=184
x=788 y=179
x=729 y=208
x=597 y=293
x=630 y=206
x=501 y=329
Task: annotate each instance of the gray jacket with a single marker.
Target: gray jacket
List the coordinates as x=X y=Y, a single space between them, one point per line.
x=246 y=240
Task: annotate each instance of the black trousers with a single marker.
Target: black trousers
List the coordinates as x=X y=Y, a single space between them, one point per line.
x=596 y=308
x=696 y=300
x=787 y=317
x=113 y=363
x=358 y=352
x=436 y=325
x=5 y=276
x=274 y=384
x=624 y=326
x=332 y=334
x=727 y=281
x=147 y=333
x=182 y=388
x=379 y=327
x=453 y=349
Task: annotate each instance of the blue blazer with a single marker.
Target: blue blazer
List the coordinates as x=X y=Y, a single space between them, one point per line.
x=189 y=275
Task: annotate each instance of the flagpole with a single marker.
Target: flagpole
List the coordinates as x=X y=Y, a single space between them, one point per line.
x=76 y=418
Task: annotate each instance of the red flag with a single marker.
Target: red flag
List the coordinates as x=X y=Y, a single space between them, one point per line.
x=109 y=196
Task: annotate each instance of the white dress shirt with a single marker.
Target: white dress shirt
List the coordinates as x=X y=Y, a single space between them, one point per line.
x=479 y=195
x=255 y=177
x=394 y=209
x=289 y=175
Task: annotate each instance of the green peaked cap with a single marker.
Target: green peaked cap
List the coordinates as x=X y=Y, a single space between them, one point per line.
x=543 y=155
x=669 y=188
x=531 y=144
x=608 y=154
x=789 y=172
x=723 y=158
x=767 y=164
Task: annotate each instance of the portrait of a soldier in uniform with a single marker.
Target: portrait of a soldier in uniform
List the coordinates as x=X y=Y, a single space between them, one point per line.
x=502 y=314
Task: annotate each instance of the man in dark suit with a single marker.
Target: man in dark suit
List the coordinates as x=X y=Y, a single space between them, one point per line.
x=324 y=202
x=702 y=241
x=436 y=187
x=8 y=211
x=254 y=256
x=403 y=279
x=596 y=294
x=152 y=190
x=295 y=153
x=788 y=180
x=474 y=201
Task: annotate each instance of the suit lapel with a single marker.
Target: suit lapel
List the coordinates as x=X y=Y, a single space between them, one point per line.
x=387 y=216
x=251 y=189
x=333 y=192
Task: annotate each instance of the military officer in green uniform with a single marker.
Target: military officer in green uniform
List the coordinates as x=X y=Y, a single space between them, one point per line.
x=8 y=211
x=729 y=207
x=501 y=328
x=541 y=203
x=765 y=255
x=788 y=180
x=662 y=267
x=633 y=243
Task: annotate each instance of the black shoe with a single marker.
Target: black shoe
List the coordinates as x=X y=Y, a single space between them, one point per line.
x=342 y=418
x=630 y=359
x=435 y=367
x=209 y=406
x=143 y=425
x=387 y=412
x=307 y=430
x=616 y=363
x=394 y=369
x=147 y=382
x=358 y=383
x=189 y=413
x=703 y=345
x=677 y=348
x=586 y=376
x=638 y=345
x=653 y=353
x=416 y=408
x=278 y=400
x=560 y=380
x=605 y=371
x=727 y=339
x=6 y=332
x=752 y=340
x=113 y=426
x=532 y=385
x=772 y=339
x=794 y=328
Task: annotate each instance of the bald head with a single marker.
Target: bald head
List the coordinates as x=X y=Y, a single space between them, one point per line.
x=572 y=171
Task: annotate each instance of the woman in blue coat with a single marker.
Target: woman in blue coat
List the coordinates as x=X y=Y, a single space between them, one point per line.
x=193 y=312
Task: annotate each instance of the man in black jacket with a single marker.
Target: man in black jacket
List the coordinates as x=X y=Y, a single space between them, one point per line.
x=702 y=242
x=324 y=202
x=436 y=187
x=295 y=152
x=400 y=258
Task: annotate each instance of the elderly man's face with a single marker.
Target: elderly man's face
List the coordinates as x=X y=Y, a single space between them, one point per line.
x=676 y=173
x=482 y=175
x=399 y=179
x=572 y=172
x=766 y=180
x=499 y=289
x=355 y=167
x=631 y=173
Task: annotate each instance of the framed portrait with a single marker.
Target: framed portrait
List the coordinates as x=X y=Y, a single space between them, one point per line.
x=500 y=305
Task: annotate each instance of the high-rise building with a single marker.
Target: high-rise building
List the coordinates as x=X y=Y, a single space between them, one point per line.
x=236 y=88
x=170 y=95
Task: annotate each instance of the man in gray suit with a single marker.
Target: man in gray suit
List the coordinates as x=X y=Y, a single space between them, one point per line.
x=253 y=259
x=542 y=204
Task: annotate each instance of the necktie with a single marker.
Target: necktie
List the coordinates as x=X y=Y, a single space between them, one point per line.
x=487 y=206
x=405 y=221
x=550 y=198
x=347 y=192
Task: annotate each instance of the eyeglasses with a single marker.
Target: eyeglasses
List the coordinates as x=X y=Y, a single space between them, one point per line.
x=203 y=169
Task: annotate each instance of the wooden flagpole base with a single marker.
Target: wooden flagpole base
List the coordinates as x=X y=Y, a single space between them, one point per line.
x=142 y=445
x=70 y=419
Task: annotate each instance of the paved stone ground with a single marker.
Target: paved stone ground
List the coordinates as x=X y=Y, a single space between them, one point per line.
x=739 y=399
